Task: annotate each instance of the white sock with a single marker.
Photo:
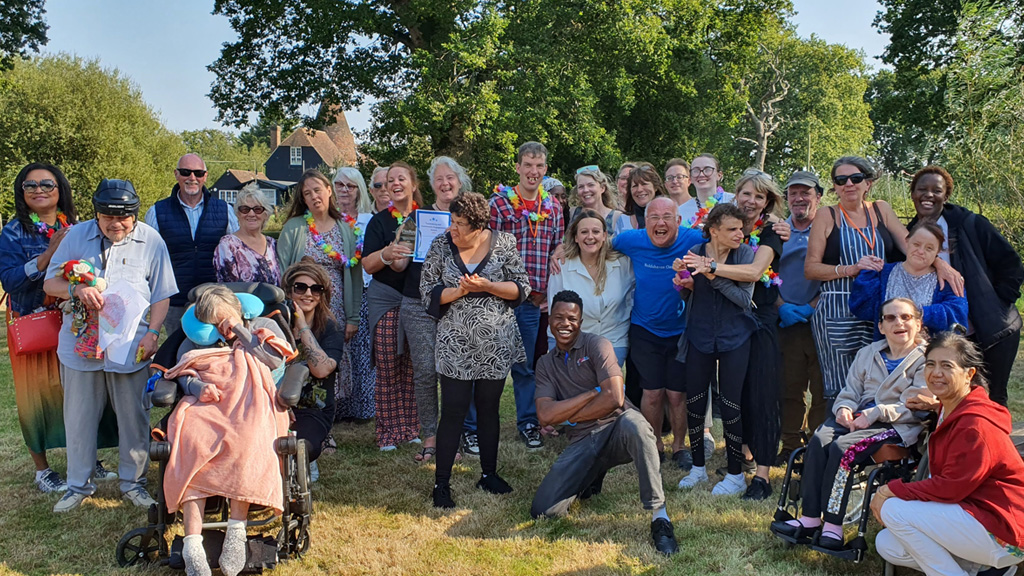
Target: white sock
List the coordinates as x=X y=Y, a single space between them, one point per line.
x=194 y=555
x=660 y=513
x=232 y=554
x=41 y=473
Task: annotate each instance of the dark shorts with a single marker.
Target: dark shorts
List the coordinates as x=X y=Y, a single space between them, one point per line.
x=655 y=360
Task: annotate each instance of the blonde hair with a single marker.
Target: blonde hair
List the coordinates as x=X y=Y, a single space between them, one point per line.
x=605 y=255
x=215 y=299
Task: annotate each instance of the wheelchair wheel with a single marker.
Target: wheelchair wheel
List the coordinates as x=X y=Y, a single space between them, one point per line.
x=855 y=502
x=141 y=546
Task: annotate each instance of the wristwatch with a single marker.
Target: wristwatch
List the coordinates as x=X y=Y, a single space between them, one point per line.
x=714 y=266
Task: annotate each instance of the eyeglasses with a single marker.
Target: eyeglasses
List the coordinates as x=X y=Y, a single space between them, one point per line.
x=589 y=168
x=44 y=185
x=254 y=209
x=302 y=288
x=854 y=178
x=345 y=186
x=893 y=317
x=705 y=171
x=677 y=178
x=185 y=172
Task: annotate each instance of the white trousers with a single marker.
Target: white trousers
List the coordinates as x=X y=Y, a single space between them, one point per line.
x=937 y=539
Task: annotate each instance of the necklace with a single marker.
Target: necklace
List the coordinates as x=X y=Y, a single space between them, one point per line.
x=328 y=249
x=770 y=277
x=533 y=219
x=44 y=228
x=398 y=215
x=867 y=214
x=697 y=220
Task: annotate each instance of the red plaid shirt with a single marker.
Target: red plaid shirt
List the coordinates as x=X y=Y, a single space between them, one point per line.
x=534 y=250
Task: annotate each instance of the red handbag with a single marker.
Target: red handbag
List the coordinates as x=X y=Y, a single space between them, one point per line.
x=33 y=333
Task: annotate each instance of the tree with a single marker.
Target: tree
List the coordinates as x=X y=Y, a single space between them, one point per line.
x=89 y=121
x=259 y=133
x=222 y=150
x=22 y=29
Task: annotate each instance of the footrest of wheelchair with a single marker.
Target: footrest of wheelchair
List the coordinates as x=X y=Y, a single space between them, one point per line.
x=261 y=553
x=791 y=540
x=847 y=553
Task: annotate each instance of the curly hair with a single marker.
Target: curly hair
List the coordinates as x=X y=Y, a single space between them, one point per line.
x=940 y=171
x=473 y=207
x=720 y=212
x=308 y=267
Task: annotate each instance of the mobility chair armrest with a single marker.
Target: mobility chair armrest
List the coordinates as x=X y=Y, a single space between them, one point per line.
x=165 y=393
x=295 y=376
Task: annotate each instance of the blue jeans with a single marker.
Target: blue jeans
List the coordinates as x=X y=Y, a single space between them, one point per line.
x=523 y=383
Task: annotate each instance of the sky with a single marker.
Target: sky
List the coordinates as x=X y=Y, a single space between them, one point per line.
x=164 y=47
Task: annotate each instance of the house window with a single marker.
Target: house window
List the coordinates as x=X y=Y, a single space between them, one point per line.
x=229 y=196
x=296 y=155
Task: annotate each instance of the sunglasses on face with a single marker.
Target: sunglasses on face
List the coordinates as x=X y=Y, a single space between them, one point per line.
x=378 y=184
x=854 y=178
x=185 y=172
x=302 y=288
x=255 y=209
x=44 y=185
x=705 y=171
x=893 y=317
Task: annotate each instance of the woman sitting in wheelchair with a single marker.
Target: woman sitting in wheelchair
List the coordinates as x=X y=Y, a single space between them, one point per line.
x=869 y=412
x=969 y=514
x=222 y=433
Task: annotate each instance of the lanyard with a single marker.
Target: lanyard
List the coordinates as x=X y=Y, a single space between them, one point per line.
x=867 y=214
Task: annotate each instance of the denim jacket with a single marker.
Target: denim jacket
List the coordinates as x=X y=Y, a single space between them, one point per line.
x=18 y=273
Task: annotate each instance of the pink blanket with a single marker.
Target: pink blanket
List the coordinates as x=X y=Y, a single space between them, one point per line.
x=226 y=448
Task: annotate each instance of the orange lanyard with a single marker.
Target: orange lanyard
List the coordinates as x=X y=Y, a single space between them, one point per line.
x=867 y=214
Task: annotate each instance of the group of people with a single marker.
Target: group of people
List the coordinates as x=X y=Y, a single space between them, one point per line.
x=622 y=311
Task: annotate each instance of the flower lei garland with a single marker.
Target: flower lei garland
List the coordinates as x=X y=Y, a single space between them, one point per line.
x=44 y=228
x=770 y=277
x=697 y=220
x=328 y=249
x=533 y=219
x=398 y=215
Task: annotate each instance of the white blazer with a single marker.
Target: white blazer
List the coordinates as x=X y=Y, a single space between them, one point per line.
x=606 y=314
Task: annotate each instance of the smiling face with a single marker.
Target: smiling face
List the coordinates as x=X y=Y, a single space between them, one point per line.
x=565 y=319
x=945 y=377
x=399 y=184
x=589 y=191
x=803 y=202
x=306 y=301
x=445 y=184
x=347 y=193
x=252 y=222
x=662 y=222
x=622 y=181
x=590 y=235
x=929 y=196
x=115 y=228
x=192 y=184
x=643 y=192
x=677 y=182
x=922 y=248
x=704 y=174
x=37 y=199
x=728 y=233
x=851 y=193
x=379 y=189
x=751 y=200
x=316 y=196
x=531 y=169
x=899 y=324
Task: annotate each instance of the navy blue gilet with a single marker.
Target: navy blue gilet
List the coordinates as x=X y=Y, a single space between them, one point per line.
x=191 y=259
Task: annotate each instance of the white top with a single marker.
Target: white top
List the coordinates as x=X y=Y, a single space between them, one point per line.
x=606 y=314
x=362 y=221
x=689 y=208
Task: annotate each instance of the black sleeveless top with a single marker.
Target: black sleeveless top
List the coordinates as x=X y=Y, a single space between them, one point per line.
x=832 y=248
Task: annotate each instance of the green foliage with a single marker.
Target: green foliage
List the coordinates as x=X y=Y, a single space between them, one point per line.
x=222 y=150
x=259 y=133
x=22 y=29
x=89 y=121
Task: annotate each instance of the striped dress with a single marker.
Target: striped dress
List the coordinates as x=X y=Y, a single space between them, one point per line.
x=838 y=334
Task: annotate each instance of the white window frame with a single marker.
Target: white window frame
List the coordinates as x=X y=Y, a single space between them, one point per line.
x=295 y=155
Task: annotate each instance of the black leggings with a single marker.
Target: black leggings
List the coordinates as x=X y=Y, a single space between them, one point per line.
x=310 y=425
x=732 y=370
x=455 y=398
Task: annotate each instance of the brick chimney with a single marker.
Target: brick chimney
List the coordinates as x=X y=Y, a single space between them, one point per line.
x=275 y=137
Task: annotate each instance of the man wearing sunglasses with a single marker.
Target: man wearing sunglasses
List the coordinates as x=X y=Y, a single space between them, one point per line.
x=191 y=222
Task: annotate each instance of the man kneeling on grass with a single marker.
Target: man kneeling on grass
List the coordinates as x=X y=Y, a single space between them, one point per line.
x=579 y=383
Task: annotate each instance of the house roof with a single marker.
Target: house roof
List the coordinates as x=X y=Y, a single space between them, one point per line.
x=341 y=134
x=246 y=176
x=319 y=141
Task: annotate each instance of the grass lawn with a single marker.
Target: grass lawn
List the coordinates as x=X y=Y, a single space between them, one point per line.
x=373 y=516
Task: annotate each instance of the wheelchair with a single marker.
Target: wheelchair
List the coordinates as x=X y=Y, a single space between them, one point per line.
x=148 y=545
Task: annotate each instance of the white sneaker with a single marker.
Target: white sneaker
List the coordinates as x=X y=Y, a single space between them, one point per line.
x=139 y=497
x=69 y=501
x=50 y=481
x=314 y=472
x=388 y=448
x=696 y=476
x=731 y=485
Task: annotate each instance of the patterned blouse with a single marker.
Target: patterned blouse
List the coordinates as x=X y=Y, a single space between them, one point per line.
x=235 y=261
x=477 y=335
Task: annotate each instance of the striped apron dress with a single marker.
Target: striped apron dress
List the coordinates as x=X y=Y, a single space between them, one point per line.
x=838 y=334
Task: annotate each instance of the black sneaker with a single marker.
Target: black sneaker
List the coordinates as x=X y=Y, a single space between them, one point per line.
x=443 y=497
x=470 y=444
x=531 y=436
x=664 y=537
x=684 y=459
x=493 y=484
x=759 y=489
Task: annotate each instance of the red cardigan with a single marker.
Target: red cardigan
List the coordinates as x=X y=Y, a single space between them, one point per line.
x=974 y=463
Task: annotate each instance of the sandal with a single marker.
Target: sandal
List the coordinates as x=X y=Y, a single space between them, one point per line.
x=426 y=454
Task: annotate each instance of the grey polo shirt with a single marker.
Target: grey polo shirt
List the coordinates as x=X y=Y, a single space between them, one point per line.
x=561 y=375
x=796 y=288
x=141 y=259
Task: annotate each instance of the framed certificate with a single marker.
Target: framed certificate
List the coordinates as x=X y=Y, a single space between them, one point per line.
x=429 y=225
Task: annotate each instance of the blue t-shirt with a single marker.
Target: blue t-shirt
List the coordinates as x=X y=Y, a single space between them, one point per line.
x=657 y=306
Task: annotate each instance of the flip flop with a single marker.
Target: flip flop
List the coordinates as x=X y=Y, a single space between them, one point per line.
x=426 y=454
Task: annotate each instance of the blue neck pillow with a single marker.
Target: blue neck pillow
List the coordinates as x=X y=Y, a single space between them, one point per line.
x=204 y=334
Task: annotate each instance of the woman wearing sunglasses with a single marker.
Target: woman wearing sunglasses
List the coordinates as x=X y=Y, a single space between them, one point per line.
x=248 y=255
x=379 y=188
x=44 y=212
x=854 y=235
x=991 y=266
